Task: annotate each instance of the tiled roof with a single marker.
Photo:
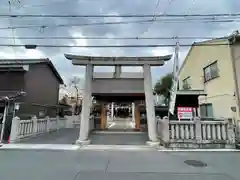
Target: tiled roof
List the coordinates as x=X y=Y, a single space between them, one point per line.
x=229 y=37
x=10 y=94
x=5 y=63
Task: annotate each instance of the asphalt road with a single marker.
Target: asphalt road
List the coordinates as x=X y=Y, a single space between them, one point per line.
x=117 y=165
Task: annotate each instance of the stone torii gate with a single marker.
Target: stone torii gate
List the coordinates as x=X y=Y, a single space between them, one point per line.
x=90 y=61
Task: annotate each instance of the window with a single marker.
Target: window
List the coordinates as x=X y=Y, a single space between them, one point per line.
x=206 y=110
x=211 y=71
x=186 y=83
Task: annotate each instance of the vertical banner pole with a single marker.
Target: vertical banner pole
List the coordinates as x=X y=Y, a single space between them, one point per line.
x=174 y=81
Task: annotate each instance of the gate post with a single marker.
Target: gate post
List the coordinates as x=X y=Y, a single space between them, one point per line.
x=14 y=129
x=198 y=130
x=86 y=105
x=49 y=124
x=133 y=113
x=164 y=130
x=35 y=125
x=103 y=116
x=230 y=133
x=150 y=109
x=137 y=116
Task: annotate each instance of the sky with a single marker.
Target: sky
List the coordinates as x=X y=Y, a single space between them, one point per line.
x=111 y=7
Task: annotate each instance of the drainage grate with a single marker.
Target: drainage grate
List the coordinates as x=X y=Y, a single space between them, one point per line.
x=195 y=163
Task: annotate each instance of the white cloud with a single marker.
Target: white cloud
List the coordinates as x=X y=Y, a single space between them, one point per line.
x=226 y=29
x=22 y=54
x=65 y=67
x=162 y=51
x=133 y=69
x=78 y=42
x=7 y=54
x=32 y=53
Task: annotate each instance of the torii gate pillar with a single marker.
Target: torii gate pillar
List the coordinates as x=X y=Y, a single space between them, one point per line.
x=86 y=106
x=151 y=120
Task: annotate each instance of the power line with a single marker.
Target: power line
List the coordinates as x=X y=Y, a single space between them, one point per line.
x=112 y=16
x=41 y=5
x=13 y=30
x=154 y=18
x=21 y=5
x=156 y=7
x=109 y=46
x=191 y=7
x=106 y=38
x=76 y=25
x=123 y=22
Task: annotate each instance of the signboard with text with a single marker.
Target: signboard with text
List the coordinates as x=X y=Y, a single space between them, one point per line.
x=185 y=112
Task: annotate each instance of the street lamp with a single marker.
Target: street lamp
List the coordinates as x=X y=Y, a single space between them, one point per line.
x=30 y=46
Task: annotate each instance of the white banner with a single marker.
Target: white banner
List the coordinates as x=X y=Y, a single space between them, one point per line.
x=174 y=80
x=173 y=97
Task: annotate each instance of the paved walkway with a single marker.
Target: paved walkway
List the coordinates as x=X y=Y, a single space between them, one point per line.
x=69 y=136
x=108 y=165
x=121 y=123
x=119 y=138
x=63 y=136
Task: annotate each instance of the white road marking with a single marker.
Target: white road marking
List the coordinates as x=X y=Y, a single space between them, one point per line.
x=117 y=147
x=199 y=150
x=69 y=147
x=118 y=132
x=41 y=146
x=112 y=124
x=132 y=124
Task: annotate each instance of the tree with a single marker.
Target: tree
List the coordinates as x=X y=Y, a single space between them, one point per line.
x=186 y=86
x=75 y=82
x=163 y=87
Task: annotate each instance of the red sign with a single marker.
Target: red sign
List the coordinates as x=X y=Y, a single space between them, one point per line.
x=185 y=112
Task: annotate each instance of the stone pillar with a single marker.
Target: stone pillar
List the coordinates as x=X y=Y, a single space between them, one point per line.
x=137 y=115
x=230 y=133
x=118 y=70
x=86 y=105
x=58 y=122
x=150 y=109
x=35 y=124
x=198 y=130
x=164 y=130
x=49 y=124
x=14 y=129
x=112 y=110
x=133 y=112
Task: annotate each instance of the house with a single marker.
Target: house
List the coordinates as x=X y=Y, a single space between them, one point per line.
x=74 y=104
x=214 y=66
x=38 y=78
